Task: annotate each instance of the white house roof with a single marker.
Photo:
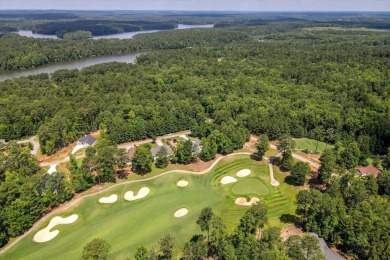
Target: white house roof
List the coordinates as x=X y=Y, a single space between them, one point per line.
x=87 y=139
x=157 y=148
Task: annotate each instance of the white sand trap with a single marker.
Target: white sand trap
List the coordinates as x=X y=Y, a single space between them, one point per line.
x=180 y=213
x=182 y=183
x=52 y=169
x=242 y=201
x=143 y=192
x=243 y=173
x=110 y=199
x=45 y=234
x=228 y=179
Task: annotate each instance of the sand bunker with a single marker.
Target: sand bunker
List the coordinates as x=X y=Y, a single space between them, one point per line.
x=242 y=201
x=228 y=179
x=52 y=169
x=243 y=173
x=141 y=193
x=110 y=199
x=45 y=234
x=182 y=183
x=181 y=213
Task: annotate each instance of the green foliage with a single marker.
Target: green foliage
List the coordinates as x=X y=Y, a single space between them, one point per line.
x=286 y=143
x=327 y=166
x=299 y=173
x=311 y=248
x=386 y=161
x=349 y=155
x=384 y=183
x=204 y=220
x=195 y=249
x=141 y=253
x=142 y=160
x=184 y=152
x=287 y=161
x=166 y=247
x=77 y=35
x=340 y=216
x=209 y=149
x=253 y=219
x=262 y=145
x=97 y=249
x=293 y=248
x=162 y=160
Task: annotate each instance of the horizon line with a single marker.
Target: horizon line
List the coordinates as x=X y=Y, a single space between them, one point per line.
x=235 y=11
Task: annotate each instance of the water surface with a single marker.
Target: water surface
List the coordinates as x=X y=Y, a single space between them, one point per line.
x=76 y=64
x=126 y=35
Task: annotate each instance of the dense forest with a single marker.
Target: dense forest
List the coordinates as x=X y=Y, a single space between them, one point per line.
x=280 y=79
x=329 y=85
x=99 y=27
x=19 y=52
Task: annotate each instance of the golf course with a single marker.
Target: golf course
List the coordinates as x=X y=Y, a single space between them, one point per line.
x=143 y=221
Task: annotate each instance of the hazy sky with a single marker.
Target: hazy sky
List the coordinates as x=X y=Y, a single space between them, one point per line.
x=206 y=5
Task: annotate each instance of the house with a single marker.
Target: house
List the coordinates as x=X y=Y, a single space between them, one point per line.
x=87 y=140
x=130 y=153
x=196 y=146
x=367 y=170
x=156 y=149
x=328 y=253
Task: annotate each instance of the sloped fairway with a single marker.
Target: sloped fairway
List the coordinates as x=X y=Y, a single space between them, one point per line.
x=126 y=225
x=311 y=144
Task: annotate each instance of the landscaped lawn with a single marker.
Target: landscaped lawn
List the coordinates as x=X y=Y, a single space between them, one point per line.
x=126 y=225
x=310 y=144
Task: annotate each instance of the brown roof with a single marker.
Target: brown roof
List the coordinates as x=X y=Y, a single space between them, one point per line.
x=131 y=152
x=364 y=170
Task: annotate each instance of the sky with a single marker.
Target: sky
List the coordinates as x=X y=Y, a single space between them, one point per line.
x=201 y=5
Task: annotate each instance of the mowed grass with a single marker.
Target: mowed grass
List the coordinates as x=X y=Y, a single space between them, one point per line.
x=311 y=144
x=126 y=225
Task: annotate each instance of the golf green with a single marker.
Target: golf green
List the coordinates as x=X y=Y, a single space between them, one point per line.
x=127 y=225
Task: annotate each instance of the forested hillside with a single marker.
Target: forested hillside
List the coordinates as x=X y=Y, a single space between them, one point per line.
x=299 y=79
x=328 y=85
x=19 y=52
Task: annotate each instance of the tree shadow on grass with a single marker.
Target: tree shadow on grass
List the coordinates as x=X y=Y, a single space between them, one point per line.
x=289 y=180
x=255 y=157
x=289 y=218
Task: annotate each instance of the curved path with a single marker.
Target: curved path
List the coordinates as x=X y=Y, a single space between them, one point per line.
x=35 y=144
x=72 y=203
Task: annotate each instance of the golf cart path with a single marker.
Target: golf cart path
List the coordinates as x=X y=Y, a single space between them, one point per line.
x=31 y=140
x=74 y=202
x=296 y=156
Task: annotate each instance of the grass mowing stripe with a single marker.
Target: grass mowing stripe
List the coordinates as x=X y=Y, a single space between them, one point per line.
x=126 y=225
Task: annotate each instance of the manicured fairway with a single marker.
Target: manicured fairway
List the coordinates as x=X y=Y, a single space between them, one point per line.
x=126 y=225
x=310 y=144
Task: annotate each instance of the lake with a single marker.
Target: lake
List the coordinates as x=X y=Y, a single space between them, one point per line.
x=82 y=63
x=127 y=35
x=76 y=64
